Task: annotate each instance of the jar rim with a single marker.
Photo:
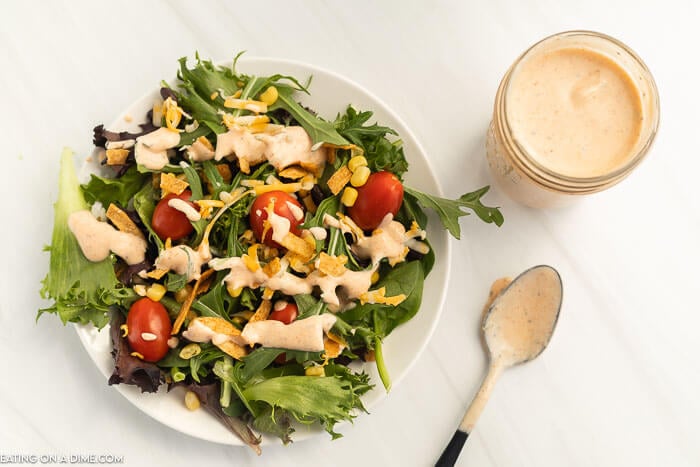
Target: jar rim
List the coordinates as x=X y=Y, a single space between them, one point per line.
x=560 y=181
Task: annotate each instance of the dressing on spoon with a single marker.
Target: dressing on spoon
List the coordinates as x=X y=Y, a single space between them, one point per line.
x=517 y=327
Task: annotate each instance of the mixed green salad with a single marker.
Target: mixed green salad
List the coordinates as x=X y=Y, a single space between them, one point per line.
x=247 y=249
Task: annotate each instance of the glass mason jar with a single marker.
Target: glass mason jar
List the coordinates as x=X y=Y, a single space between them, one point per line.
x=537 y=152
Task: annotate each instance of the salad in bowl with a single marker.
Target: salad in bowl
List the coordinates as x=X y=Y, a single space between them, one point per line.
x=246 y=249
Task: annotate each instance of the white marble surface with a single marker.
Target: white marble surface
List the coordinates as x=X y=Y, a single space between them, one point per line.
x=620 y=382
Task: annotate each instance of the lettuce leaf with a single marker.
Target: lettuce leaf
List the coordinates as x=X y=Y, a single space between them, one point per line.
x=307 y=399
x=83 y=291
x=114 y=190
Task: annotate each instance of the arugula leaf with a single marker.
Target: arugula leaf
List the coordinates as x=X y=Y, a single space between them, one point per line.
x=193 y=180
x=318 y=129
x=381 y=154
x=175 y=282
x=114 y=190
x=450 y=211
x=200 y=108
x=187 y=138
x=196 y=188
x=410 y=211
x=83 y=291
x=216 y=302
x=198 y=363
x=144 y=204
x=308 y=305
x=330 y=205
x=205 y=77
x=255 y=362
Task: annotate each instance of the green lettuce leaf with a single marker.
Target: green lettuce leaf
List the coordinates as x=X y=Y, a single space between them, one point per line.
x=114 y=190
x=83 y=291
x=309 y=398
x=405 y=278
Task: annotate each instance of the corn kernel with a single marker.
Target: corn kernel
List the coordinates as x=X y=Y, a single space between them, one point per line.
x=349 y=196
x=156 y=292
x=140 y=290
x=234 y=292
x=315 y=370
x=269 y=96
x=125 y=330
x=357 y=161
x=238 y=321
x=190 y=350
x=360 y=176
x=182 y=294
x=191 y=400
x=375 y=277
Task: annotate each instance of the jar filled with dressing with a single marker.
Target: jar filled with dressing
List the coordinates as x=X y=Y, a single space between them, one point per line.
x=574 y=115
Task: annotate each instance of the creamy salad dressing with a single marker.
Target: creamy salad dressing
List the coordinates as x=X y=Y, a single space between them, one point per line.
x=199 y=152
x=151 y=150
x=184 y=207
x=576 y=111
x=183 y=260
x=280 y=225
x=387 y=241
x=240 y=142
x=303 y=334
x=97 y=239
x=521 y=320
x=296 y=211
x=240 y=276
x=353 y=283
x=199 y=332
x=288 y=146
x=292 y=146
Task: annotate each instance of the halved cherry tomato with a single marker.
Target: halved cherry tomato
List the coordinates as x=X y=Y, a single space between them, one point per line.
x=282 y=202
x=286 y=313
x=380 y=195
x=168 y=221
x=149 y=329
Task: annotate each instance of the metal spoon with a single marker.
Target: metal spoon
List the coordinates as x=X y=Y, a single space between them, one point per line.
x=517 y=328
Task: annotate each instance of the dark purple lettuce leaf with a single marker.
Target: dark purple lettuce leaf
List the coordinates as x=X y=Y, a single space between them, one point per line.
x=128 y=369
x=100 y=135
x=208 y=395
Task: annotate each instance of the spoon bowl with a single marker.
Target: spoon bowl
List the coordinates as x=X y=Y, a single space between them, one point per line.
x=521 y=319
x=517 y=327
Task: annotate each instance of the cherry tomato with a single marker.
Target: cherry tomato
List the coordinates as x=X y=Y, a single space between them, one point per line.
x=286 y=313
x=168 y=221
x=149 y=329
x=380 y=195
x=281 y=201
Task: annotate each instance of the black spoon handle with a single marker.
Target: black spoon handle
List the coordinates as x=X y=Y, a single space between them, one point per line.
x=454 y=447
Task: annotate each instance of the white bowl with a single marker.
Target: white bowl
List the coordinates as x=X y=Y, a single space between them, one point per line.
x=330 y=94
